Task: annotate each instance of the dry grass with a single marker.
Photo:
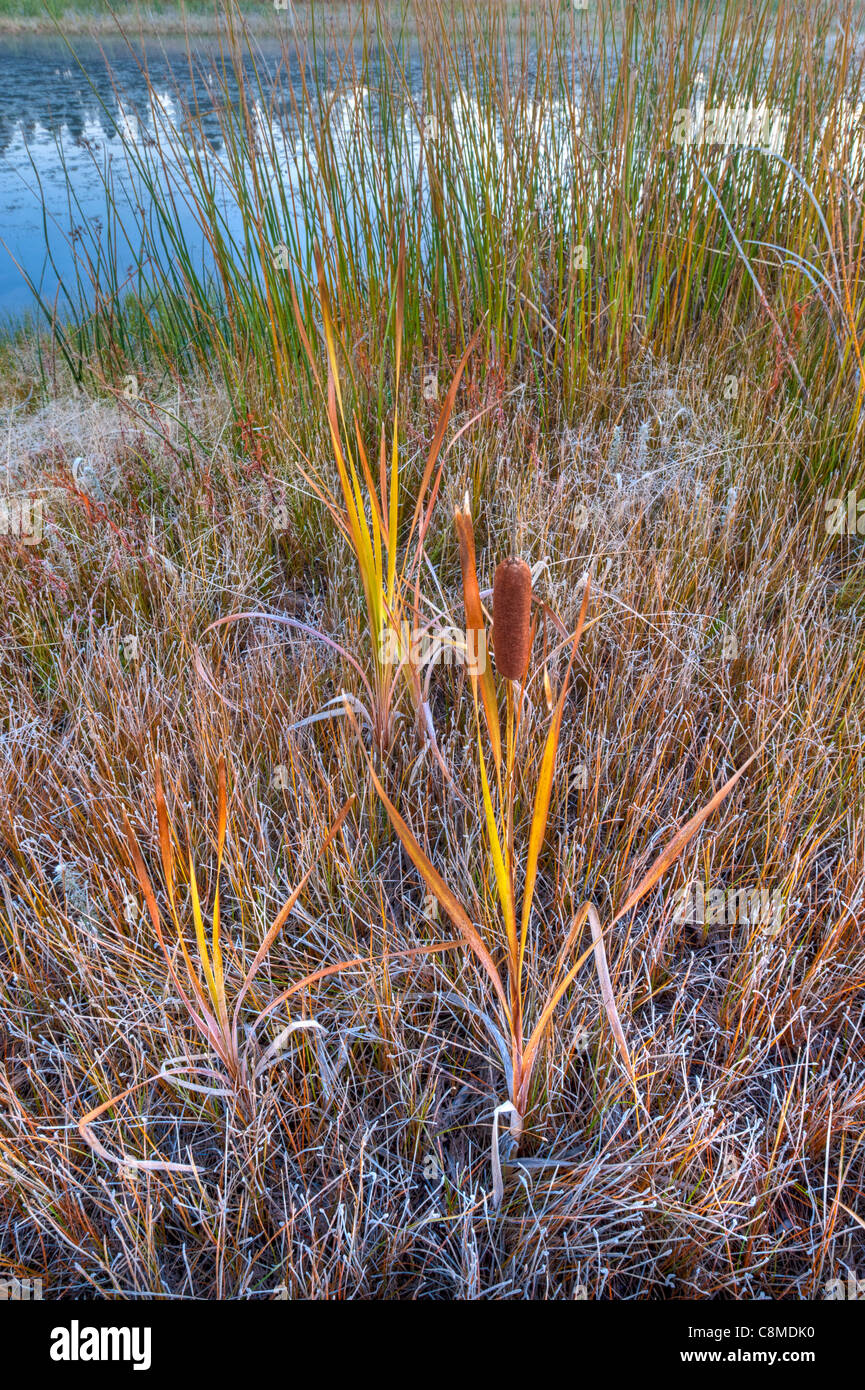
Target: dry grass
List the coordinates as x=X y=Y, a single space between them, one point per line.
x=363 y=1169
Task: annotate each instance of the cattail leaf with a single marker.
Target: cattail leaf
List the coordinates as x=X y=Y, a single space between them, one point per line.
x=479 y=668
x=607 y=990
x=274 y=1052
x=147 y=1165
x=504 y=880
x=201 y=939
x=222 y=817
x=205 y=1021
x=506 y=1108
x=448 y=900
x=543 y=792
x=359 y=963
x=554 y=997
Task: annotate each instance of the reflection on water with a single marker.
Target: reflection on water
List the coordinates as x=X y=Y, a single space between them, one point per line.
x=82 y=104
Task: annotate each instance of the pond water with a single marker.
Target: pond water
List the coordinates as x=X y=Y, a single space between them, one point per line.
x=62 y=119
x=70 y=116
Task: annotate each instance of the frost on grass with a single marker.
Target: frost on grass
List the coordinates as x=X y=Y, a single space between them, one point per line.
x=747 y=1047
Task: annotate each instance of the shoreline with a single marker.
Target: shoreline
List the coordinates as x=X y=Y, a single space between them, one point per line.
x=133 y=18
x=128 y=21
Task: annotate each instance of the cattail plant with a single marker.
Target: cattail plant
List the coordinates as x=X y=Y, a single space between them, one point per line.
x=235 y=1059
x=367 y=512
x=509 y=927
x=512 y=618
x=201 y=984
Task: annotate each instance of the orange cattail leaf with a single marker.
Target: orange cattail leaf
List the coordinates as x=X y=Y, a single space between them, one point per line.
x=476 y=634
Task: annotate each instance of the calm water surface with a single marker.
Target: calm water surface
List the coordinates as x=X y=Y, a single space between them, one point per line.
x=59 y=118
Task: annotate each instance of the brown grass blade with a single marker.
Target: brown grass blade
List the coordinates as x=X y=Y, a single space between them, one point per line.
x=607 y=990
x=284 y=913
x=438 y=438
x=146 y=1165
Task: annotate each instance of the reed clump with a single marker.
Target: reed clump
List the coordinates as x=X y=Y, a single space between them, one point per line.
x=694 y=187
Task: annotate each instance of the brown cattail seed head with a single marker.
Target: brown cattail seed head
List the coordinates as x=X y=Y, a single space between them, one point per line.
x=512 y=618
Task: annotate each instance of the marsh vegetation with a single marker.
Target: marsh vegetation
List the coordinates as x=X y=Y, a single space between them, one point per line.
x=338 y=966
